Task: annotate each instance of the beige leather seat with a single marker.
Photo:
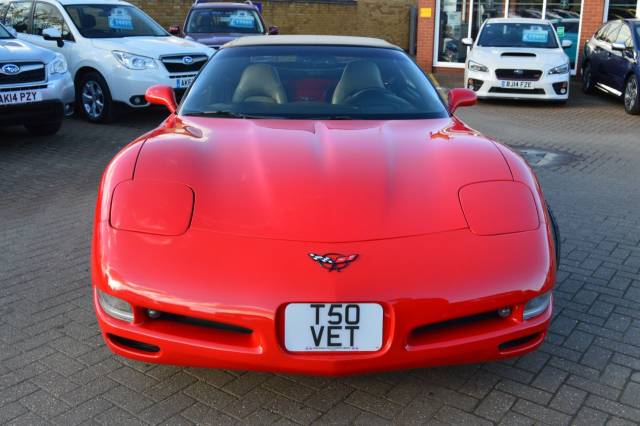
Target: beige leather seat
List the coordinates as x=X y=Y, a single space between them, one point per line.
x=260 y=83
x=357 y=76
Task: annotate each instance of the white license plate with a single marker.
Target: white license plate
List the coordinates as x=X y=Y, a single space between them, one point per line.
x=184 y=82
x=514 y=84
x=20 y=97
x=353 y=327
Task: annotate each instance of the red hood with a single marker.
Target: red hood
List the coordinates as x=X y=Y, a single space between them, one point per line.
x=324 y=181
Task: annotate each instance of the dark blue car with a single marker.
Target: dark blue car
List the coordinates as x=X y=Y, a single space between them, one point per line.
x=611 y=62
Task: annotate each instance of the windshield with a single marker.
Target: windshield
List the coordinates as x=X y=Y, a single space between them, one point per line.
x=224 y=21
x=637 y=27
x=4 y=33
x=313 y=82
x=518 y=35
x=113 y=21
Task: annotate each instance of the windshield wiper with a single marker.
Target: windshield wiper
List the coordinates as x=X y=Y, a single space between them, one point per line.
x=223 y=114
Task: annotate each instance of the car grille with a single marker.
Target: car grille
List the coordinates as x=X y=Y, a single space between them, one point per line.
x=178 y=63
x=517 y=91
x=518 y=74
x=30 y=72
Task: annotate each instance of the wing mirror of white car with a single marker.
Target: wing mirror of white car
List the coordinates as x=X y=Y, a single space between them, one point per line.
x=53 y=34
x=467 y=41
x=566 y=44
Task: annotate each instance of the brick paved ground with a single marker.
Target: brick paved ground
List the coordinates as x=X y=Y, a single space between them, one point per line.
x=55 y=368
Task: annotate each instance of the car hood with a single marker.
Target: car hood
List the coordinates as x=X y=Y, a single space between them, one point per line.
x=495 y=57
x=155 y=47
x=20 y=51
x=324 y=181
x=215 y=39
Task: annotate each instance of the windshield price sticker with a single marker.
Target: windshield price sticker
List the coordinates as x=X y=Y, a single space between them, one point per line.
x=535 y=35
x=242 y=20
x=560 y=31
x=120 y=19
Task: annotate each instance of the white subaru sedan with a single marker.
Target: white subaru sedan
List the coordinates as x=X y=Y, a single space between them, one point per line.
x=518 y=58
x=114 y=50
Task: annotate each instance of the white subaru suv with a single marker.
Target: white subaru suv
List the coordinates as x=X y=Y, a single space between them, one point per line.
x=113 y=49
x=518 y=58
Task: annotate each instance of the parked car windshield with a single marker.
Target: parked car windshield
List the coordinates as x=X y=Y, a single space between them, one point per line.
x=4 y=33
x=313 y=82
x=224 y=21
x=637 y=27
x=113 y=21
x=518 y=35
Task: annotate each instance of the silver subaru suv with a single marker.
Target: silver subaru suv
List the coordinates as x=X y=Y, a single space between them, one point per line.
x=36 y=89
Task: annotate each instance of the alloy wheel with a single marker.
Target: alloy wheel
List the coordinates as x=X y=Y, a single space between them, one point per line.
x=93 y=99
x=631 y=94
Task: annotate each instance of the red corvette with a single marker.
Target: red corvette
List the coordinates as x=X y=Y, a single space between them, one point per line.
x=314 y=207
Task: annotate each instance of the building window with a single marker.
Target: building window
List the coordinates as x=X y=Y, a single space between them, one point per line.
x=453 y=27
x=525 y=9
x=622 y=9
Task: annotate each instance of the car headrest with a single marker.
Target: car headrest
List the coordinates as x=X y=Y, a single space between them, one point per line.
x=357 y=75
x=87 y=22
x=260 y=83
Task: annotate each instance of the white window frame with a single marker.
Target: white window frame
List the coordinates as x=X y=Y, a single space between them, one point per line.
x=605 y=12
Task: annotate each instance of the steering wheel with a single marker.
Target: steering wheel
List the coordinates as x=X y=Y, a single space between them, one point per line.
x=365 y=94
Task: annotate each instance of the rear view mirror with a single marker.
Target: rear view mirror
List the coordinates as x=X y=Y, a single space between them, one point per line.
x=274 y=30
x=461 y=97
x=566 y=44
x=467 y=41
x=162 y=95
x=53 y=34
x=174 y=30
x=620 y=47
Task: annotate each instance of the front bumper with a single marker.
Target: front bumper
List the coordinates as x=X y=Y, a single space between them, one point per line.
x=548 y=87
x=57 y=98
x=507 y=271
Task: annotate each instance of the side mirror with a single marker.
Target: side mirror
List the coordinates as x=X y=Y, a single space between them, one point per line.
x=53 y=34
x=566 y=44
x=620 y=47
x=467 y=41
x=174 y=30
x=162 y=95
x=274 y=30
x=461 y=98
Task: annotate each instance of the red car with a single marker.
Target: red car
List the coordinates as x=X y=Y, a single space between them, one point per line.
x=313 y=206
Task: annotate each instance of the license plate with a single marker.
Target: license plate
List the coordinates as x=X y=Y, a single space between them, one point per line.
x=514 y=84
x=184 y=82
x=20 y=97
x=352 y=327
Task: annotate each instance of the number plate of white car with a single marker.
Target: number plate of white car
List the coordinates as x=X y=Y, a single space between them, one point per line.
x=514 y=84
x=20 y=97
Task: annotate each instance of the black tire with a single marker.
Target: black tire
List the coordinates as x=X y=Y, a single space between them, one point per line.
x=588 y=84
x=555 y=233
x=631 y=96
x=45 y=129
x=93 y=99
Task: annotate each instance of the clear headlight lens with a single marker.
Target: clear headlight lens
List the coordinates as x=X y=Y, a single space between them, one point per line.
x=115 y=307
x=562 y=69
x=475 y=66
x=58 y=65
x=537 y=306
x=134 y=62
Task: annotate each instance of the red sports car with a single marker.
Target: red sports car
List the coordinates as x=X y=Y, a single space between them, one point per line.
x=313 y=206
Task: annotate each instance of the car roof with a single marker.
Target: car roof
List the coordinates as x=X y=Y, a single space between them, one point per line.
x=310 y=40
x=517 y=21
x=220 y=5
x=69 y=2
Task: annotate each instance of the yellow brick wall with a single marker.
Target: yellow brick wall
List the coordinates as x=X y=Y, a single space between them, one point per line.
x=387 y=19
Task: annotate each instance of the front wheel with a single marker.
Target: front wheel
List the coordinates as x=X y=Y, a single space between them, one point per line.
x=46 y=129
x=631 y=98
x=94 y=99
x=587 y=79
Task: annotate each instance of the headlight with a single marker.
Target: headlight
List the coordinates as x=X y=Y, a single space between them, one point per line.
x=134 y=62
x=474 y=66
x=115 y=307
x=562 y=69
x=58 y=65
x=537 y=306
